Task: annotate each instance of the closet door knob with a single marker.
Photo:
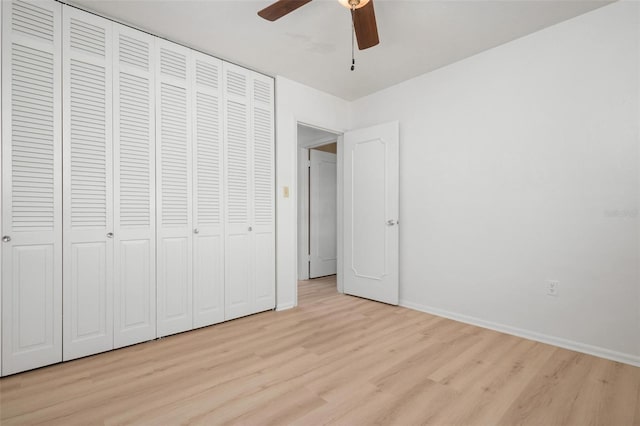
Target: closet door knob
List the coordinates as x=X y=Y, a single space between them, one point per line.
x=250 y=228
x=6 y=239
x=110 y=235
x=196 y=231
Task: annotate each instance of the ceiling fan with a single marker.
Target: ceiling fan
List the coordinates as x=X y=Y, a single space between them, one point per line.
x=362 y=13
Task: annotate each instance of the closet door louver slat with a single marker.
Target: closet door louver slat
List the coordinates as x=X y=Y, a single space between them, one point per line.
x=173 y=189
x=31 y=185
x=208 y=242
x=87 y=184
x=134 y=187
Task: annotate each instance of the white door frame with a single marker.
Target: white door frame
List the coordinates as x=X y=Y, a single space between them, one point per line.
x=294 y=193
x=303 y=214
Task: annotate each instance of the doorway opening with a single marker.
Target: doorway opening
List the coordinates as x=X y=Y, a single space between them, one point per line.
x=367 y=209
x=318 y=203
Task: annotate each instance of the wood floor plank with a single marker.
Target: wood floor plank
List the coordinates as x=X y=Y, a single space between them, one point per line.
x=493 y=386
x=636 y=421
x=334 y=359
x=600 y=402
x=550 y=396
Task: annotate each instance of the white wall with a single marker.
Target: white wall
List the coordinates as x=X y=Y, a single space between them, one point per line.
x=296 y=103
x=519 y=165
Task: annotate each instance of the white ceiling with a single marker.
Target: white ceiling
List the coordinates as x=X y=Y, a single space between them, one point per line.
x=312 y=45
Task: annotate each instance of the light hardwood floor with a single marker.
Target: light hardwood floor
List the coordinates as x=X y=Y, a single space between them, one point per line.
x=334 y=359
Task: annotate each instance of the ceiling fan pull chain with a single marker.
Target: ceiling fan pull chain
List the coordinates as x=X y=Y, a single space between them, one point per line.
x=353 y=30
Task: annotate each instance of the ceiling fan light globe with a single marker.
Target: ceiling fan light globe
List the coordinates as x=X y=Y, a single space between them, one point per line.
x=358 y=5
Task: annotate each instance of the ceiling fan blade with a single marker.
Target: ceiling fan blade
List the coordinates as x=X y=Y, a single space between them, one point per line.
x=364 y=23
x=280 y=8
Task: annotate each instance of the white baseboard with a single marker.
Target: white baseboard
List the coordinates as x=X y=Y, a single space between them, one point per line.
x=527 y=334
x=285 y=306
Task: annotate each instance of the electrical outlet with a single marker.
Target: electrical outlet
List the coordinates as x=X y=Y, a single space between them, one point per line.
x=552 y=288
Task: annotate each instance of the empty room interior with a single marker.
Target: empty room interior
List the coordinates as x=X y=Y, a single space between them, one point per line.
x=354 y=212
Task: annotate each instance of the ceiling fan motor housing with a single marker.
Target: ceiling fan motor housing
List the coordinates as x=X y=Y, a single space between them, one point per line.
x=353 y=4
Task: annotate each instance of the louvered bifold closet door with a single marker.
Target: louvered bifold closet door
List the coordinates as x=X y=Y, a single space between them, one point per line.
x=238 y=228
x=263 y=192
x=87 y=184
x=208 y=236
x=31 y=185
x=134 y=186
x=173 y=183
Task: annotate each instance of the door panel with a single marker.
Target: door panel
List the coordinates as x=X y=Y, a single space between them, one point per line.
x=31 y=261
x=174 y=300
x=134 y=187
x=323 y=214
x=371 y=213
x=88 y=290
x=32 y=269
x=208 y=237
x=87 y=184
x=238 y=228
x=135 y=312
x=174 y=192
x=262 y=194
x=264 y=270
x=368 y=202
x=208 y=279
x=32 y=295
x=238 y=273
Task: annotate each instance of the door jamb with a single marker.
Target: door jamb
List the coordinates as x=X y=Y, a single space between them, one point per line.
x=302 y=224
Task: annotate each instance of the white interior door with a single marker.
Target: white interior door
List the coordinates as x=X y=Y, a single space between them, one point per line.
x=371 y=213
x=174 y=195
x=87 y=184
x=134 y=188
x=31 y=185
x=322 y=214
x=208 y=235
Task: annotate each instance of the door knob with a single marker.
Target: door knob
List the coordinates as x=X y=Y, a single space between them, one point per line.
x=110 y=235
x=391 y=222
x=6 y=239
x=196 y=231
x=250 y=228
